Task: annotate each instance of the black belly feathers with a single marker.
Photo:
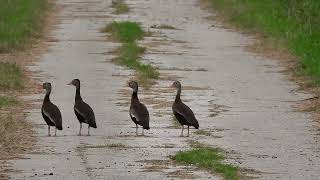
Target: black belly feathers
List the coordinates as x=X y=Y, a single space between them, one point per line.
x=138 y=112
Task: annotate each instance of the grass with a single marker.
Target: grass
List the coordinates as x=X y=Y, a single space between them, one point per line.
x=208 y=158
x=14 y=134
x=112 y=145
x=20 y=22
x=10 y=76
x=291 y=24
x=120 y=7
x=125 y=32
x=7 y=101
x=129 y=53
x=202 y=132
x=163 y=26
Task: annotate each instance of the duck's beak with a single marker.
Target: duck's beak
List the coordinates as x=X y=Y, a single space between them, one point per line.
x=70 y=83
x=171 y=86
x=39 y=87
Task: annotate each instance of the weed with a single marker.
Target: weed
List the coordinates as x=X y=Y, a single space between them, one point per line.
x=207 y=158
x=128 y=54
x=125 y=31
x=162 y=26
x=112 y=145
x=120 y=7
x=202 y=132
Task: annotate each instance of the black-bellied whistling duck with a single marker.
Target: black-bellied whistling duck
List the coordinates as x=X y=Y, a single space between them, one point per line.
x=50 y=112
x=82 y=110
x=138 y=111
x=181 y=111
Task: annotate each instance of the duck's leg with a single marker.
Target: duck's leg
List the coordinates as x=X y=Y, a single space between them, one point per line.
x=80 y=129
x=182 y=131
x=88 y=130
x=55 y=132
x=188 y=131
x=49 y=131
x=137 y=129
x=142 y=132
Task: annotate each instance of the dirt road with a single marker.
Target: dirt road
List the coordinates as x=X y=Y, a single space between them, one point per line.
x=242 y=101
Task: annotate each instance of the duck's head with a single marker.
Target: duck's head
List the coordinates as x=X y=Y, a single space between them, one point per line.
x=46 y=86
x=75 y=82
x=133 y=85
x=176 y=84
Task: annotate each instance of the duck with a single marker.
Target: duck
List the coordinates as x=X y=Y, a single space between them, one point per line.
x=50 y=112
x=182 y=112
x=82 y=110
x=138 y=112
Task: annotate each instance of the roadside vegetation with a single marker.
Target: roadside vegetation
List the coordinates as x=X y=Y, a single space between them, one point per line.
x=6 y=101
x=10 y=76
x=129 y=53
x=120 y=7
x=290 y=24
x=207 y=158
x=20 y=22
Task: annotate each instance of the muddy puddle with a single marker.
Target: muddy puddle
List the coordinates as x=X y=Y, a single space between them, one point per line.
x=241 y=105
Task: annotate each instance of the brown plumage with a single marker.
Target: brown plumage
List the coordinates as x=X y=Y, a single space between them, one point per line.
x=82 y=110
x=182 y=112
x=138 y=112
x=50 y=112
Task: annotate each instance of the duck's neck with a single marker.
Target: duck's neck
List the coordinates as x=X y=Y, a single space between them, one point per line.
x=134 y=96
x=78 y=95
x=47 y=96
x=178 y=95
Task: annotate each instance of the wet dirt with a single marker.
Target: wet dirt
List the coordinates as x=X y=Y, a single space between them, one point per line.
x=241 y=105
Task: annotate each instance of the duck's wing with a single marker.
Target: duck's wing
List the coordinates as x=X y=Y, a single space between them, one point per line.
x=140 y=114
x=184 y=111
x=85 y=111
x=52 y=112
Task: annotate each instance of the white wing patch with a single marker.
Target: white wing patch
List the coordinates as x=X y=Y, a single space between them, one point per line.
x=81 y=114
x=132 y=113
x=48 y=115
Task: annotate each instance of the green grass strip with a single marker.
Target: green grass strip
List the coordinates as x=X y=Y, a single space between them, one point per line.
x=20 y=22
x=125 y=31
x=207 y=158
x=294 y=24
x=7 y=101
x=129 y=53
x=11 y=76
